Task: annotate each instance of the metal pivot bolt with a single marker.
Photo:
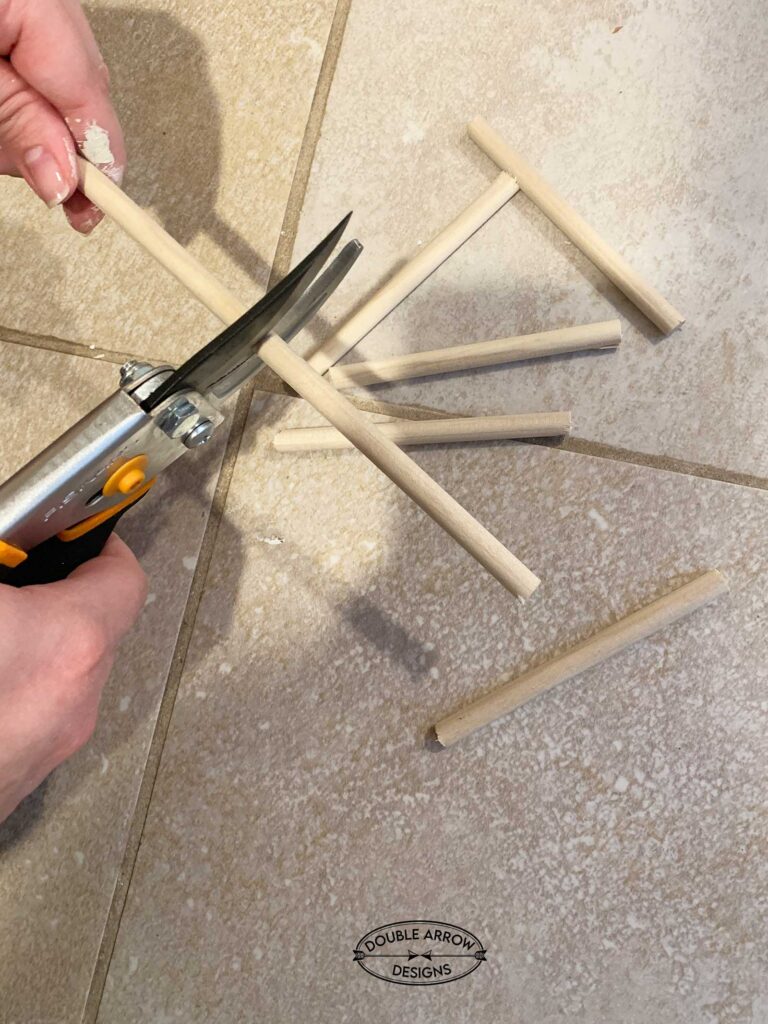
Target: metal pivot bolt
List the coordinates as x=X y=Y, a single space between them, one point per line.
x=201 y=434
x=132 y=370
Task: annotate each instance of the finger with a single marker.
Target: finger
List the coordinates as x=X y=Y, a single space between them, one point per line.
x=7 y=164
x=34 y=139
x=114 y=585
x=110 y=589
x=56 y=53
x=53 y=49
x=82 y=214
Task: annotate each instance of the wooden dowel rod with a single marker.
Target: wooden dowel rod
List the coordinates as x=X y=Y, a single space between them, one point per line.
x=598 y=648
x=614 y=266
x=410 y=477
x=308 y=383
x=469 y=428
x=606 y=334
x=137 y=223
x=413 y=273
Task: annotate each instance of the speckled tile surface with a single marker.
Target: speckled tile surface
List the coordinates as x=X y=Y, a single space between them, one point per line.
x=607 y=843
x=643 y=115
x=214 y=100
x=61 y=850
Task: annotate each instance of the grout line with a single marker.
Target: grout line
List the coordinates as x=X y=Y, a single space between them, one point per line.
x=664 y=463
x=50 y=343
x=234 y=441
x=574 y=445
x=582 y=446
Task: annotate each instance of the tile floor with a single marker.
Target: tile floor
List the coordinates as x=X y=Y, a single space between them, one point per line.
x=259 y=792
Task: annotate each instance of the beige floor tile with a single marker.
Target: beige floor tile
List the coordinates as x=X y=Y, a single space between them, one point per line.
x=214 y=100
x=643 y=116
x=60 y=852
x=607 y=842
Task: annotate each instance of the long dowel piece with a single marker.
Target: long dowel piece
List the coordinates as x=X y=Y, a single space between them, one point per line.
x=606 y=334
x=469 y=428
x=614 y=266
x=308 y=383
x=599 y=648
x=413 y=273
x=410 y=477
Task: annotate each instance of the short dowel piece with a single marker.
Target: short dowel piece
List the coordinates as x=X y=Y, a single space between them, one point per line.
x=470 y=428
x=408 y=476
x=606 y=334
x=413 y=273
x=615 y=267
x=445 y=510
x=601 y=646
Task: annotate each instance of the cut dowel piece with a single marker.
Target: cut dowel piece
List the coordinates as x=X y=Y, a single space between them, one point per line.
x=614 y=266
x=413 y=273
x=606 y=334
x=470 y=428
x=308 y=383
x=586 y=655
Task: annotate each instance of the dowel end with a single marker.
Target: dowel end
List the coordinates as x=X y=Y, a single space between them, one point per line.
x=431 y=742
x=669 y=322
x=476 y=125
x=719 y=580
x=447 y=731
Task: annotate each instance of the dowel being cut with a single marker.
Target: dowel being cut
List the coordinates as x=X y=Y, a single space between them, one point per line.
x=599 y=648
x=308 y=383
x=413 y=273
x=137 y=223
x=469 y=428
x=606 y=334
x=614 y=266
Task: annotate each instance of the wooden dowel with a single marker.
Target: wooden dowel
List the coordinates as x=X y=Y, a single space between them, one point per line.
x=469 y=428
x=410 y=477
x=615 y=267
x=413 y=273
x=601 y=646
x=137 y=223
x=606 y=334
x=308 y=383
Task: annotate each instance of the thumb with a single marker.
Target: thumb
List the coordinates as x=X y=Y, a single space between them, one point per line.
x=35 y=140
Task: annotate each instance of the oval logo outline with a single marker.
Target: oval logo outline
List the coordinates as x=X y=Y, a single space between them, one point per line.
x=366 y=946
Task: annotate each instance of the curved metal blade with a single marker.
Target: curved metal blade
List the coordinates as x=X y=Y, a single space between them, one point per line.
x=237 y=342
x=297 y=317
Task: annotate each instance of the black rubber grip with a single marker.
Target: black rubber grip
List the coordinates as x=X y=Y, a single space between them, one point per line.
x=55 y=559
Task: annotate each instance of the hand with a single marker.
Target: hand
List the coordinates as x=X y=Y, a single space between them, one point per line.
x=54 y=97
x=57 y=645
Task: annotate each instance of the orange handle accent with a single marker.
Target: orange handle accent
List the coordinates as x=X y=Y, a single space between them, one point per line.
x=10 y=555
x=127 y=478
x=73 y=532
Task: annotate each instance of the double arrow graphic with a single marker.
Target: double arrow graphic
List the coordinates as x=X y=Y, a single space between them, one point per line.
x=360 y=954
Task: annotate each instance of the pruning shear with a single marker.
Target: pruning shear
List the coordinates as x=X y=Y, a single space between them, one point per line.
x=59 y=510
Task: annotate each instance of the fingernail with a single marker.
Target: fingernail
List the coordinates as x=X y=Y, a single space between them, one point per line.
x=87 y=226
x=45 y=177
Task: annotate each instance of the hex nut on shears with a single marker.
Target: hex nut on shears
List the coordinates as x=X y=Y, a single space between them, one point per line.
x=180 y=418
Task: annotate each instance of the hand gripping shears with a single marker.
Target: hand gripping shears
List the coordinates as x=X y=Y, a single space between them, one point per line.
x=59 y=510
